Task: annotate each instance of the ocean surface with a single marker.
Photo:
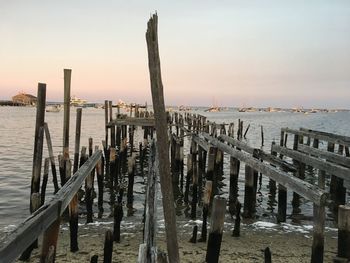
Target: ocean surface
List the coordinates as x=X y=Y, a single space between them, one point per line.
x=17 y=126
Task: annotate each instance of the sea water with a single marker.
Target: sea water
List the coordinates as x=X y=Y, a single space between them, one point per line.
x=17 y=125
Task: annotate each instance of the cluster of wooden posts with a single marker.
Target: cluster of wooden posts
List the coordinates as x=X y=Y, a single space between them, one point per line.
x=116 y=170
x=283 y=166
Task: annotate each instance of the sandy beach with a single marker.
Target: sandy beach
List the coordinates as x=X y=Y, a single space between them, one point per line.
x=288 y=243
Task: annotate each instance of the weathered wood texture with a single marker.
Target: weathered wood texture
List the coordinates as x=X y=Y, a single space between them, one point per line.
x=331 y=168
x=38 y=140
x=310 y=192
x=46 y=215
x=162 y=139
x=146 y=122
x=322 y=136
x=66 y=111
x=148 y=250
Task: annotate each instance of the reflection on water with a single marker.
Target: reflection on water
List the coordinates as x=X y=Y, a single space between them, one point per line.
x=16 y=151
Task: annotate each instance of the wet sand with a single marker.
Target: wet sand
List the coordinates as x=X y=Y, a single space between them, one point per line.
x=285 y=245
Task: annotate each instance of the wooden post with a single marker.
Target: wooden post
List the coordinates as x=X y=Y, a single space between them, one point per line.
x=237 y=228
x=318 y=234
x=210 y=170
x=206 y=201
x=66 y=116
x=162 y=138
x=45 y=178
x=194 y=234
x=188 y=177
x=50 y=240
x=282 y=204
x=106 y=122
x=262 y=136
x=267 y=255
x=77 y=140
x=246 y=131
x=344 y=232
x=38 y=140
x=99 y=172
x=249 y=193
x=130 y=193
x=94 y=259
x=108 y=247
x=52 y=157
x=89 y=189
x=216 y=229
x=194 y=181
x=73 y=206
x=233 y=190
x=118 y=216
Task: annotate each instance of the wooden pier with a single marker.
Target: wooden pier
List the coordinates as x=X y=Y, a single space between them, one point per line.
x=159 y=154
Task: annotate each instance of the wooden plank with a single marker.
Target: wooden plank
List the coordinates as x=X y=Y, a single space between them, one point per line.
x=66 y=193
x=335 y=136
x=330 y=168
x=319 y=136
x=202 y=143
x=28 y=231
x=260 y=154
x=305 y=189
x=329 y=156
x=17 y=241
x=148 y=122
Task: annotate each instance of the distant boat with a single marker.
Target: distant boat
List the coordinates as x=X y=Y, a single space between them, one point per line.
x=213 y=109
x=184 y=108
x=53 y=108
x=75 y=101
x=250 y=109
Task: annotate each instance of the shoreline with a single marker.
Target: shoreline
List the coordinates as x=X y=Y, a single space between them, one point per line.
x=288 y=243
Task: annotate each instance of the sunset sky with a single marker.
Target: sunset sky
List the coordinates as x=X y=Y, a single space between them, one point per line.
x=233 y=53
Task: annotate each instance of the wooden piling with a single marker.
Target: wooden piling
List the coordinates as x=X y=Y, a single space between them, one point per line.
x=100 y=184
x=108 y=247
x=73 y=206
x=106 y=121
x=249 y=193
x=216 y=229
x=344 y=232
x=52 y=157
x=118 y=216
x=130 y=192
x=162 y=137
x=206 y=202
x=66 y=113
x=89 y=190
x=237 y=227
x=45 y=178
x=188 y=177
x=194 y=181
x=194 y=234
x=267 y=255
x=233 y=188
x=38 y=140
x=77 y=140
x=94 y=259
x=50 y=240
x=282 y=204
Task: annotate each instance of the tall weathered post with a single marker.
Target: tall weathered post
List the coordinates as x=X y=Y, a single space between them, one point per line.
x=162 y=139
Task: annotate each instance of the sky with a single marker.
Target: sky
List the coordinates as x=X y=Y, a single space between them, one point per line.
x=227 y=53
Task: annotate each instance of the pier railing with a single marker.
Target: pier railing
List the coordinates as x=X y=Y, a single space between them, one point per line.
x=42 y=219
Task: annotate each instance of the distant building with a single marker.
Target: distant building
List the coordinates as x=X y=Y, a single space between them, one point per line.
x=24 y=98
